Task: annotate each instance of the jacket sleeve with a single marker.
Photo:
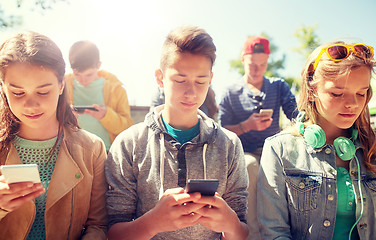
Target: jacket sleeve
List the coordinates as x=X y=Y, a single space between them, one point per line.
x=96 y=224
x=118 y=116
x=272 y=206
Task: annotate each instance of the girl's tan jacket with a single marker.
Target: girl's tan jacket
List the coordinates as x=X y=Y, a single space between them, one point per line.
x=76 y=196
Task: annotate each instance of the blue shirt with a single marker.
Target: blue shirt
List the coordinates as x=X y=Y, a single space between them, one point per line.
x=239 y=103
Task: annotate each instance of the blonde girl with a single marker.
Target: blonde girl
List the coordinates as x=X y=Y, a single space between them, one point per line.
x=318 y=181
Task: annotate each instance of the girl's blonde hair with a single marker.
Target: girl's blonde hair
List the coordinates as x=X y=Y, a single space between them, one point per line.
x=328 y=69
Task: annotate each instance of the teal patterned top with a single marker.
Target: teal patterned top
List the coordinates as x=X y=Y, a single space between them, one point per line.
x=39 y=152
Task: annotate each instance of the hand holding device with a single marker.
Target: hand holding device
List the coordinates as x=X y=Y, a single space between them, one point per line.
x=207 y=187
x=19 y=184
x=20 y=173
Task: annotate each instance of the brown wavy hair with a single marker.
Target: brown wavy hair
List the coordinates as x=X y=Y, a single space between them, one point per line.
x=328 y=69
x=37 y=49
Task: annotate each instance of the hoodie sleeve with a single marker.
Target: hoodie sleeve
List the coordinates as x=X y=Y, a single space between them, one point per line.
x=121 y=196
x=237 y=181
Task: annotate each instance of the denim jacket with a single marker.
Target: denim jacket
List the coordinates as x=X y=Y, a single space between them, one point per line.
x=297 y=191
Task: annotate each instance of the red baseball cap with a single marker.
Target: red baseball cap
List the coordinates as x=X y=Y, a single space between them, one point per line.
x=256 y=44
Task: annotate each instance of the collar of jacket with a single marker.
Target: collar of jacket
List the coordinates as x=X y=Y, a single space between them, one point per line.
x=60 y=183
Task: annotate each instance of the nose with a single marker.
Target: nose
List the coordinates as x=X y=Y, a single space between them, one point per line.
x=351 y=101
x=190 y=90
x=31 y=103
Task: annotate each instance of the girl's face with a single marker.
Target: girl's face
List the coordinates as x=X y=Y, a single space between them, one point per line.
x=340 y=101
x=32 y=93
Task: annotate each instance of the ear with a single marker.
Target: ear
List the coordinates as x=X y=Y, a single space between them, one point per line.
x=62 y=86
x=159 y=77
x=211 y=78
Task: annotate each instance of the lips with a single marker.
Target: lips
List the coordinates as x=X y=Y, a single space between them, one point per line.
x=34 y=116
x=348 y=115
x=189 y=104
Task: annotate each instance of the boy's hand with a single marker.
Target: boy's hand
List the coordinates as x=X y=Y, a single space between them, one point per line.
x=217 y=215
x=14 y=195
x=257 y=122
x=102 y=110
x=175 y=210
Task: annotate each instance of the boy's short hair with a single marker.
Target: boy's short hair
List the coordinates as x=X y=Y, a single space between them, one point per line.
x=83 y=55
x=187 y=39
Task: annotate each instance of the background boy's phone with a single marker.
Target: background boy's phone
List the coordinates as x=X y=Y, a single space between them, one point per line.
x=20 y=173
x=82 y=108
x=266 y=112
x=207 y=187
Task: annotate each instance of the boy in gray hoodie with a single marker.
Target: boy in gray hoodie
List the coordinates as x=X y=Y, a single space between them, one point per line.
x=150 y=163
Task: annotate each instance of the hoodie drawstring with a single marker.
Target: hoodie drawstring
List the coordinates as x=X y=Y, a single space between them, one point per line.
x=162 y=160
x=161 y=166
x=204 y=159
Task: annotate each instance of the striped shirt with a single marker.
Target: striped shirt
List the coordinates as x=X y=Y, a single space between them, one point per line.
x=239 y=102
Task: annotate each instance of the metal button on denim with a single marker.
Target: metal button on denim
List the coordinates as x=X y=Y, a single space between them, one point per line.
x=328 y=150
x=327 y=223
x=363 y=225
x=301 y=185
x=330 y=197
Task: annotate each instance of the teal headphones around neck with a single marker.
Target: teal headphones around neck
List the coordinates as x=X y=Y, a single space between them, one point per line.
x=315 y=136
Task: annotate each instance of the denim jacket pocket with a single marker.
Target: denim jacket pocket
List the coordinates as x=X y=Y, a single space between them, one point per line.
x=303 y=189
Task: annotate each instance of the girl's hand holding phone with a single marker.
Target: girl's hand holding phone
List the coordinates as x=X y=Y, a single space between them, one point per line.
x=14 y=195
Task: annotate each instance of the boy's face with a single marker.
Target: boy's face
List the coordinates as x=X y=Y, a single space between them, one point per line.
x=255 y=66
x=87 y=76
x=185 y=81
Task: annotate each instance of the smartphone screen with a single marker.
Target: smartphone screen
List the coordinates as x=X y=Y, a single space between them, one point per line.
x=20 y=173
x=207 y=187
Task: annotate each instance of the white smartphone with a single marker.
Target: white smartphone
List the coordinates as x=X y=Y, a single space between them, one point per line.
x=266 y=112
x=20 y=173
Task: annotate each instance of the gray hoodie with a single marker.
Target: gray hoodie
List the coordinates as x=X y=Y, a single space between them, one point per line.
x=145 y=160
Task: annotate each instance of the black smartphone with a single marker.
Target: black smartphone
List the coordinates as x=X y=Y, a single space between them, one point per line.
x=81 y=109
x=207 y=187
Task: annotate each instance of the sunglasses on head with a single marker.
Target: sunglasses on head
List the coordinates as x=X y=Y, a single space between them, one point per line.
x=339 y=52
